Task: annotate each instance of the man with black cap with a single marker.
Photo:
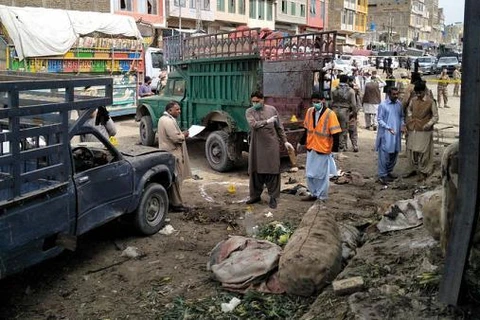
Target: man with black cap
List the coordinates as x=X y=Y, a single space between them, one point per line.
x=145 y=90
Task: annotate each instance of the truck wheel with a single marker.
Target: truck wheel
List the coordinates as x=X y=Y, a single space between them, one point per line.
x=150 y=214
x=147 y=136
x=216 y=150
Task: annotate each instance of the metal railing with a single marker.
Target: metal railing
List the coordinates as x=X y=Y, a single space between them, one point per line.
x=268 y=46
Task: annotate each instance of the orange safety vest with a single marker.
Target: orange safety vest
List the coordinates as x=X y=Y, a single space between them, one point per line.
x=319 y=137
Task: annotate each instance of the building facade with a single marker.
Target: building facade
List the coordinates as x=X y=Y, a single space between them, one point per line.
x=86 y=5
x=291 y=16
x=147 y=11
x=412 y=23
x=453 y=35
x=349 y=18
x=317 y=15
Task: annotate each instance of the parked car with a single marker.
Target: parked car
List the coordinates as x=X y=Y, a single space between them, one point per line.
x=362 y=62
x=449 y=62
x=427 y=64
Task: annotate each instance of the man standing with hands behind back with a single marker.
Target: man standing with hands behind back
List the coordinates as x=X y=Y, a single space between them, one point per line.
x=172 y=139
x=266 y=131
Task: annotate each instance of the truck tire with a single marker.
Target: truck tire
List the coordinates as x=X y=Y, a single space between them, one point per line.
x=216 y=150
x=150 y=215
x=147 y=136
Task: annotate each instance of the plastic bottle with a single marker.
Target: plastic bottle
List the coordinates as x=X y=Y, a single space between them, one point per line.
x=231 y=189
x=249 y=223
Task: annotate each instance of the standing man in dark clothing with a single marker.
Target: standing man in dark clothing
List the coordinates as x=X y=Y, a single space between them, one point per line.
x=264 y=154
x=352 y=117
x=344 y=103
x=408 y=64
x=377 y=63
x=416 y=66
x=390 y=82
x=389 y=63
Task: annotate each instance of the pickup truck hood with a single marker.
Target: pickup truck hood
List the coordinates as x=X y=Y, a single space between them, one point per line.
x=137 y=150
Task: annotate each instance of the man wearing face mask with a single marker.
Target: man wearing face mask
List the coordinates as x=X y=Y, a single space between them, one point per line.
x=390 y=120
x=264 y=153
x=321 y=138
x=422 y=114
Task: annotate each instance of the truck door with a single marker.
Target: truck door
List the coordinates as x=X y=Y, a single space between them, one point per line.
x=103 y=180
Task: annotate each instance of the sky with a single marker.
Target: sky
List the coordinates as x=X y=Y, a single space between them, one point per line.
x=453 y=10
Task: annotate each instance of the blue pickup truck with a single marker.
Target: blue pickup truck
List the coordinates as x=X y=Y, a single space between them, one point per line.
x=53 y=187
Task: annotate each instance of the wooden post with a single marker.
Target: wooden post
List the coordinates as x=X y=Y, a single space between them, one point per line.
x=467 y=201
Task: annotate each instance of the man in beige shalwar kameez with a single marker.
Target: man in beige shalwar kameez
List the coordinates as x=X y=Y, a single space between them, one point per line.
x=422 y=114
x=266 y=132
x=172 y=139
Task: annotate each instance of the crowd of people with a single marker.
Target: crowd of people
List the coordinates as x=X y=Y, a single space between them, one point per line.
x=408 y=110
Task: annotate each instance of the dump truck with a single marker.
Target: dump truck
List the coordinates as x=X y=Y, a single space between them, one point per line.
x=213 y=76
x=53 y=186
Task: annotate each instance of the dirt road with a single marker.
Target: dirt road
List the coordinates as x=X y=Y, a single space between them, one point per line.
x=170 y=280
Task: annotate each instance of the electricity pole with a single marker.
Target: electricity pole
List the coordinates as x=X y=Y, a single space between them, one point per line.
x=389 y=30
x=467 y=203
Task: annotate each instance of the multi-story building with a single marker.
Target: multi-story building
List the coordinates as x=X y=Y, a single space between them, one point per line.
x=349 y=18
x=291 y=16
x=409 y=22
x=261 y=14
x=184 y=14
x=435 y=21
x=441 y=24
x=317 y=15
x=453 y=34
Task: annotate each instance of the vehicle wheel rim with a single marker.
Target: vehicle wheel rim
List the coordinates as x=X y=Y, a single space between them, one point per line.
x=153 y=210
x=216 y=153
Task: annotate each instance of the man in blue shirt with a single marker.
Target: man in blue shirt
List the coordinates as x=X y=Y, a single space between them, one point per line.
x=391 y=123
x=145 y=90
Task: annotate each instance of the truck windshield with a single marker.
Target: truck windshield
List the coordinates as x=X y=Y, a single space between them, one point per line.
x=157 y=60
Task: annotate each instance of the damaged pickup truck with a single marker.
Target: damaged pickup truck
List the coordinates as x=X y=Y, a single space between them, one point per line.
x=53 y=187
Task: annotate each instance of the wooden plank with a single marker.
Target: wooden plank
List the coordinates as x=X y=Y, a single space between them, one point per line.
x=467 y=201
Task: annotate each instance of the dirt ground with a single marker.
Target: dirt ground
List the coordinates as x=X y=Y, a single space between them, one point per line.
x=96 y=282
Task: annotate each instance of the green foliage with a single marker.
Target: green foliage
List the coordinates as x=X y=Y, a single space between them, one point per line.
x=253 y=305
x=276 y=232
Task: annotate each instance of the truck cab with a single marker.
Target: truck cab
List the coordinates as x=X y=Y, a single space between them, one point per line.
x=53 y=185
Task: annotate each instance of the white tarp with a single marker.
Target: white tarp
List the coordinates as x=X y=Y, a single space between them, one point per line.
x=37 y=32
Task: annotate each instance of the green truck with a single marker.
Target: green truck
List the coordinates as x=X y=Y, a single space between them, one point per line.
x=213 y=76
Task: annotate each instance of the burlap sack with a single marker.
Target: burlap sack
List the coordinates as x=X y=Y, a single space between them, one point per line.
x=312 y=257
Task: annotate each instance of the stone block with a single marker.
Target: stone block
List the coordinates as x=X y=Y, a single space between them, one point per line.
x=348 y=286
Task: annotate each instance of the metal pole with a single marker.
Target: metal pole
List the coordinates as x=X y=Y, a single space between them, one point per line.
x=323 y=14
x=467 y=201
x=180 y=15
